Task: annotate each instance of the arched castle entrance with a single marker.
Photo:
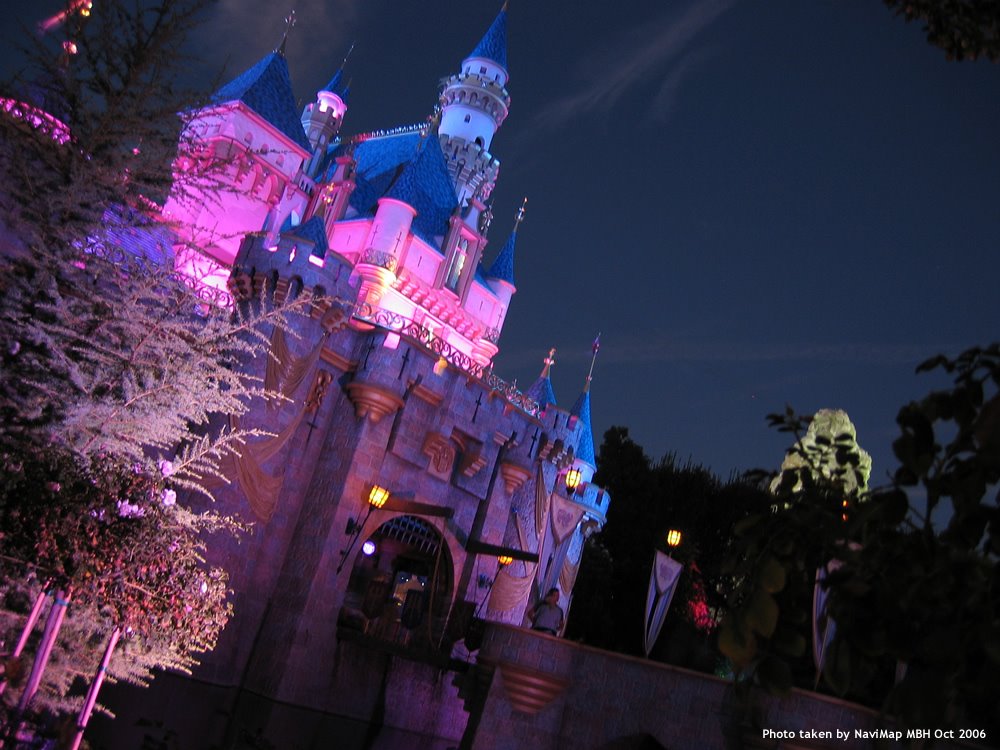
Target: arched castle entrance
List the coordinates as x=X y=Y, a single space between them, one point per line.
x=401 y=584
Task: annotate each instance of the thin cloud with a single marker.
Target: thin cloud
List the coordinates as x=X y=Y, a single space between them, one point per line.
x=663 y=51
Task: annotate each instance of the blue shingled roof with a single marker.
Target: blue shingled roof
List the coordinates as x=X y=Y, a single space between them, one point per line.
x=426 y=185
x=542 y=392
x=392 y=166
x=493 y=45
x=503 y=264
x=267 y=89
x=585 y=449
x=377 y=162
x=314 y=231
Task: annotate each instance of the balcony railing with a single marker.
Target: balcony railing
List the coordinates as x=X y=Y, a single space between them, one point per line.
x=417 y=333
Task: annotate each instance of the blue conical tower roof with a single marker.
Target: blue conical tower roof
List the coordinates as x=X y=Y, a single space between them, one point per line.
x=542 y=392
x=503 y=265
x=267 y=89
x=338 y=86
x=493 y=45
x=426 y=185
x=581 y=410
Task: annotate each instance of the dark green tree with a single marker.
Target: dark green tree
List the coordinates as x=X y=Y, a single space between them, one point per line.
x=964 y=29
x=649 y=499
x=916 y=604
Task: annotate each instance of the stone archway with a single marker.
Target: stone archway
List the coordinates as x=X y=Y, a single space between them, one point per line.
x=401 y=584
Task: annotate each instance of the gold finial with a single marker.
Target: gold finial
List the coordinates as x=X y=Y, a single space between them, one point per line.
x=548 y=362
x=594 y=348
x=348 y=55
x=289 y=23
x=520 y=213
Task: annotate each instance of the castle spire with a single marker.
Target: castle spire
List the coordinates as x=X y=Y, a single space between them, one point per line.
x=503 y=265
x=474 y=103
x=594 y=348
x=581 y=410
x=493 y=45
x=289 y=23
x=321 y=120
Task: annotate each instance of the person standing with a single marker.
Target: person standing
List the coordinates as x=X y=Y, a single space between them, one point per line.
x=547 y=615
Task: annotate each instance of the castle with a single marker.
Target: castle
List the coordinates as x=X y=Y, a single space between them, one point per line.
x=408 y=494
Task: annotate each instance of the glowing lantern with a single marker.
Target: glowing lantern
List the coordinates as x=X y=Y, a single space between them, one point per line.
x=673 y=538
x=505 y=560
x=572 y=480
x=368 y=548
x=378 y=496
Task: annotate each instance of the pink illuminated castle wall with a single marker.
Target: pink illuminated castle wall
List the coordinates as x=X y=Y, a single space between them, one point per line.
x=358 y=618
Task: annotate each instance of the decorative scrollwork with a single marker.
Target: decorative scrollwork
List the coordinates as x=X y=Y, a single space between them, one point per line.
x=379 y=258
x=492 y=335
x=417 y=333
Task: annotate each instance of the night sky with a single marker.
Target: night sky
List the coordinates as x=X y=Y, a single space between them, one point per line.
x=755 y=203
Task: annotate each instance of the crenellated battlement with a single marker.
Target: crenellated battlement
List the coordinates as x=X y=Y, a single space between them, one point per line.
x=471 y=164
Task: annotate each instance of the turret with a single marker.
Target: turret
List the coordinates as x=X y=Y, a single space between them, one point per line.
x=474 y=104
x=541 y=390
x=501 y=273
x=321 y=120
x=585 y=460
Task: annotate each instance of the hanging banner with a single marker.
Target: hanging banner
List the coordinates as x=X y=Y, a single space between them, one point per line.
x=565 y=516
x=541 y=505
x=662 y=584
x=823 y=626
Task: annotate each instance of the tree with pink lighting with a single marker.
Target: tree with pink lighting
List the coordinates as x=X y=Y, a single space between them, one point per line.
x=115 y=372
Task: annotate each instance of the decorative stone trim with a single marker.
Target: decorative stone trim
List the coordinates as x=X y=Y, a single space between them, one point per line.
x=441 y=452
x=372 y=401
x=337 y=360
x=528 y=690
x=514 y=476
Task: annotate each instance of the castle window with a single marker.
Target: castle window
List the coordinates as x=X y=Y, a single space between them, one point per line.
x=457 y=264
x=468 y=118
x=482 y=69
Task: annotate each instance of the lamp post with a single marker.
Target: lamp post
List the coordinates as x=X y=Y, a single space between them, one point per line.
x=377 y=498
x=502 y=562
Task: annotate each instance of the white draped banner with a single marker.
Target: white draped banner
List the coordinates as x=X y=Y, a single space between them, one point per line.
x=662 y=584
x=565 y=516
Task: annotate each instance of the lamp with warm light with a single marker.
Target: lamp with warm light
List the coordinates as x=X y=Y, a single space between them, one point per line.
x=573 y=478
x=505 y=560
x=378 y=496
x=673 y=538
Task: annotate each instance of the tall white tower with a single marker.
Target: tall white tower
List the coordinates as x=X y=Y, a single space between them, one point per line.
x=474 y=103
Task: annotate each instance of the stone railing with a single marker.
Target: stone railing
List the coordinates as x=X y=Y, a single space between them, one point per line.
x=417 y=333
